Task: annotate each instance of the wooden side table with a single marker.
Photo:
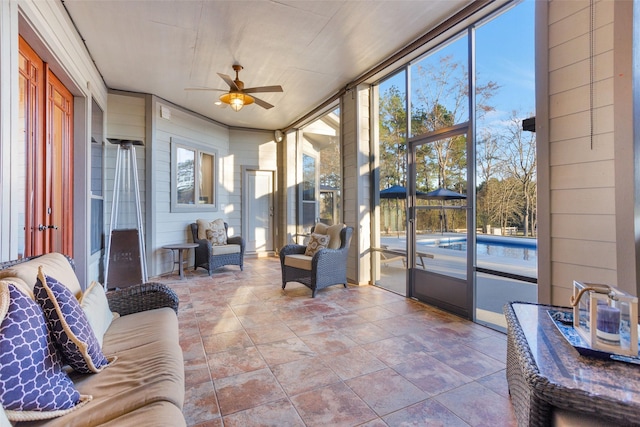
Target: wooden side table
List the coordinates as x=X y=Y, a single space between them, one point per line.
x=178 y=248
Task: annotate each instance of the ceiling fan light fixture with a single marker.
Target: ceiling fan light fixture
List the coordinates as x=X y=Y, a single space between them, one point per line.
x=236 y=100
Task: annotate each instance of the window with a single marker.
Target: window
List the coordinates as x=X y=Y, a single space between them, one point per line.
x=321 y=172
x=97 y=195
x=193 y=177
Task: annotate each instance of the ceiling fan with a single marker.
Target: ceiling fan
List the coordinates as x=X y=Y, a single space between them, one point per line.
x=237 y=96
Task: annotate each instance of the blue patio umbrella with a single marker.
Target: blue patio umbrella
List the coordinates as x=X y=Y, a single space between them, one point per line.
x=443 y=194
x=398 y=192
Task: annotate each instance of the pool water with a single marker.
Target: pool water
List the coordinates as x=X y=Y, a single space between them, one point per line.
x=499 y=250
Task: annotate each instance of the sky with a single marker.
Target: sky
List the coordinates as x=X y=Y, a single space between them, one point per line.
x=504 y=54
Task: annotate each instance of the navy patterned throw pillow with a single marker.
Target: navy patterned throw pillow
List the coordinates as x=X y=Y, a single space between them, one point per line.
x=33 y=385
x=69 y=325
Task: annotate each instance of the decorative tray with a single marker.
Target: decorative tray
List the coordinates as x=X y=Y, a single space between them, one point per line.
x=564 y=322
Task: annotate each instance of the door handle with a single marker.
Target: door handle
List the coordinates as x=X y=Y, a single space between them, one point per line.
x=45 y=227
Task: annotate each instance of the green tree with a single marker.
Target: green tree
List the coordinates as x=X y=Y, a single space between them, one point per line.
x=393 y=138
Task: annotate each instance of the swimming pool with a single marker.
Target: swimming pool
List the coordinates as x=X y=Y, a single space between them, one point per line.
x=504 y=247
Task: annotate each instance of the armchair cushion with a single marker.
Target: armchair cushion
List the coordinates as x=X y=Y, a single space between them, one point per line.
x=214 y=231
x=302 y=262
x=225 y=250
x=333 y=231
x=316 y=243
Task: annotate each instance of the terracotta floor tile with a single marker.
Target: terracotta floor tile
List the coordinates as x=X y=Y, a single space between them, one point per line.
x=334 y=405
x=225 y=324
x=491 y=346
x=271 y=333
x=378 y=422
x=469 y=362
x=328 y=342
x=195 y=375
x=354 y=362
x=496 y=382
x=375 y=313
x=225 y=341
x=229 y=363
x=260 y=319
x=425 y=413
x=385 y=391
x=395 y=350
x=304 y=375
x=280 y=357
x=366 y=333
x=431 y=375
x=200 y=403
x=280 y=413
x=247 y=390
x=482 y=407
x=285 y=351
x=309 y=325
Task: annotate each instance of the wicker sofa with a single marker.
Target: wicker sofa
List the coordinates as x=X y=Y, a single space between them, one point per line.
x=144 y=381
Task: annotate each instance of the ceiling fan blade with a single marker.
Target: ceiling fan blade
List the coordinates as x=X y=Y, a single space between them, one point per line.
x=262 y=103
x=276 y=88
x=229 y=81
x=204 y=88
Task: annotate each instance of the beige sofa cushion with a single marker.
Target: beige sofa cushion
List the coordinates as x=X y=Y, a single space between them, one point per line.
x=224 y=250
x=149 y=369
x=302 y=262
x=56 y=266
x=157 y=414
x=95 y=305
x=22 y=287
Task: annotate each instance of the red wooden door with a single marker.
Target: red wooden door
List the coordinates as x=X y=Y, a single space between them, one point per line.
x=46 y=114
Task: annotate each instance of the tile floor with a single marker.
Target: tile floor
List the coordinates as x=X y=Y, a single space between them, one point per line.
x=257 y=355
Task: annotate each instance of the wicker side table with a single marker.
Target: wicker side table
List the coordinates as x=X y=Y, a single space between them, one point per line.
x=545 y=372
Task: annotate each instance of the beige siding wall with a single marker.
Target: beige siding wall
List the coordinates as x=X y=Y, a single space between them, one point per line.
x=169 y=227
x=125 y=120
x=357 y=181
x=248 y=149
x=581 y=168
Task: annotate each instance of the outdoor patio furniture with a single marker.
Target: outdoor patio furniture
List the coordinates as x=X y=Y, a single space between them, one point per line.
x=550 y=383
x=212 y=257
x=326 y=268
x=389 y=255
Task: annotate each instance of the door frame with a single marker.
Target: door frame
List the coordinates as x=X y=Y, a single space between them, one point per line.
x=466 y=307
x=246 y=215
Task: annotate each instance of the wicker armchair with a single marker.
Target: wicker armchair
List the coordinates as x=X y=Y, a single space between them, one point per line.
x=213 y=257
x=326 y=268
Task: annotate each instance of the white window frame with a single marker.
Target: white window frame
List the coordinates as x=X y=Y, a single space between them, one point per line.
x=198 y=150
